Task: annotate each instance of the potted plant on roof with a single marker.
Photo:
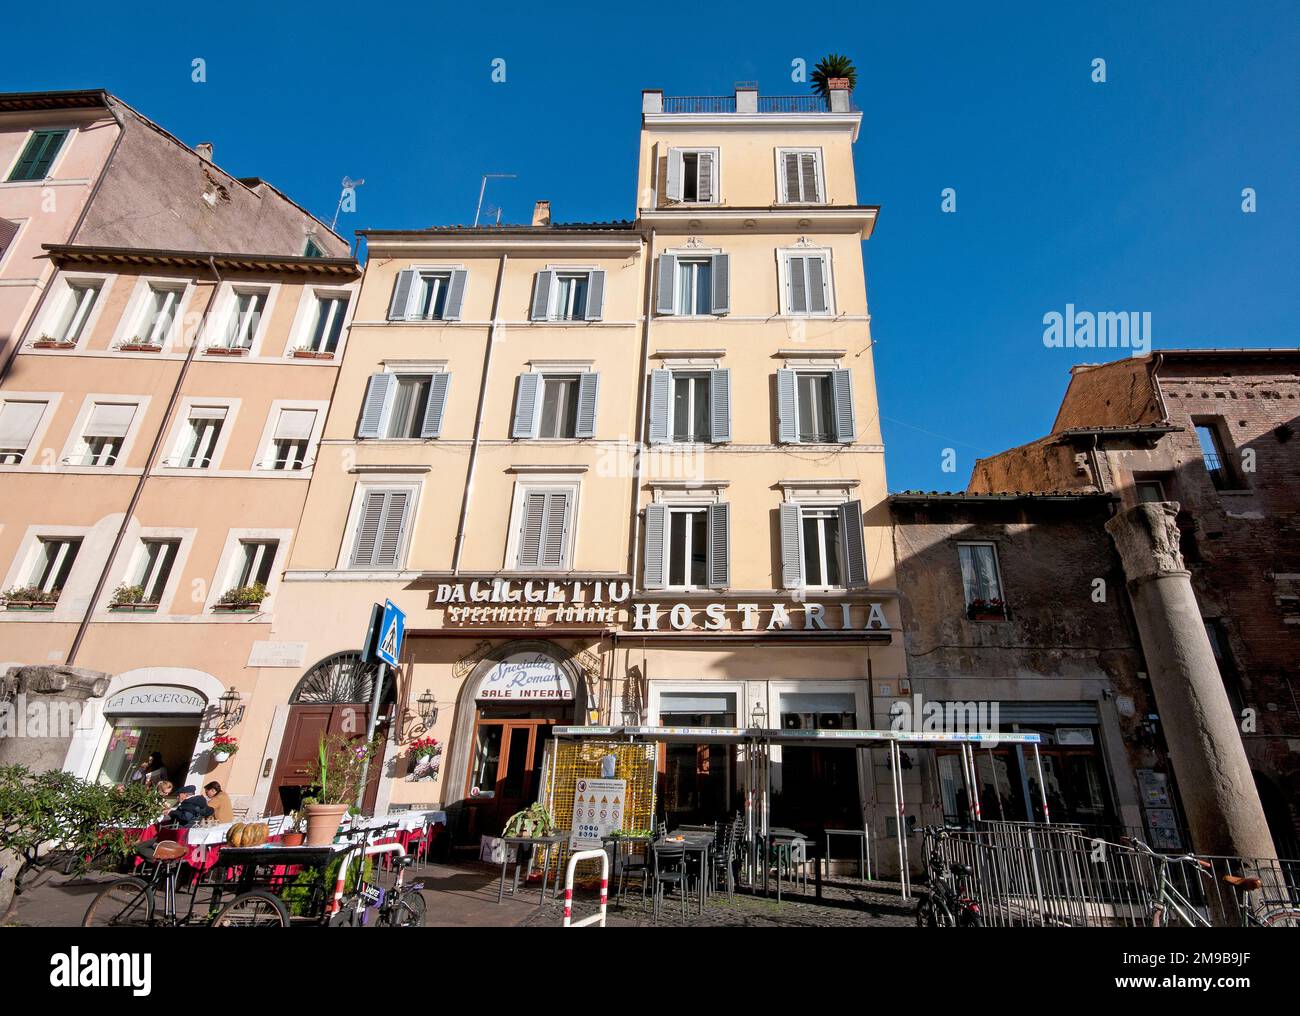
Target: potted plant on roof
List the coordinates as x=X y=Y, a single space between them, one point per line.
x=241 y=599
x=335 y=786
x=834 y=71
x=223 y=746
x=130 y=599
x=993 y=609
x=29 y=598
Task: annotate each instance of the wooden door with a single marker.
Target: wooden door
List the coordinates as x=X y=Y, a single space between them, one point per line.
x=299 y=751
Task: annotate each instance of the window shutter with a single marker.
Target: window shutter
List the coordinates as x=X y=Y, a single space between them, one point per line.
x=797 y=282
x=525 y=405
x=542 y=295
x=595 y=296
x=791 y=176
x=530 y=529
x=401 y=295
x=455 y=295
x=721 y=283
x=372 y=514
x=656 y=516
x=720 y=404
x=845 y=421
x=667 y=283
x=110 y=420
x=674 y=174
x=8 y=230
x=432 y=423
x=588 y=390
x=719 y=552
x=293 y=425
x=389 y=546
x=374 y=407
x=787 y=407
x=808 y=165
x=855 y=554
x=704 y=185
x=791 y=549
x=18 y=422
x=661 y=388
x=817 y=302
x=555 y=538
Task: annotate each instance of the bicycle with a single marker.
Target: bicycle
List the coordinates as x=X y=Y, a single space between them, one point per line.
x=400 y=906
x=1166 y=899
x=1254 y=909
x=131 y=901
x=946 y=901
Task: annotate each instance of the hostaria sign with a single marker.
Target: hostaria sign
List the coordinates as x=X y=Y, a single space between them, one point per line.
x=540 y=602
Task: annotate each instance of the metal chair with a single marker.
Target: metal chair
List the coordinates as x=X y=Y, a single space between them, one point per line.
x=724 y=861
x=670 y=870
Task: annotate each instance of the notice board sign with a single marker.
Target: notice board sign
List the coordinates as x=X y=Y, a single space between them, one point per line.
x=598 y=807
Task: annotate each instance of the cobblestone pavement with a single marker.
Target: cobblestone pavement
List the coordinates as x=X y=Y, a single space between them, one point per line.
x=465 y=895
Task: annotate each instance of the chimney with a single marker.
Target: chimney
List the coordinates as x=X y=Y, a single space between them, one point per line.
x=839 y=95
x=204 y=148
x=542 y=213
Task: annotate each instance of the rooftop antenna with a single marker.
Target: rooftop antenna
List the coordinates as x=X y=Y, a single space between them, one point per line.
x=483 y=186
x=349 y=185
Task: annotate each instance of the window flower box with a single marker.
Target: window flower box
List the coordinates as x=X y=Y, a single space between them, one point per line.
x=225 y=351
x=130 y=600
x=32 y=598
x=311 y=354
x=50 y=342
x=986 y=610
x=241 y=600
x=133 y=608
x=138 y=345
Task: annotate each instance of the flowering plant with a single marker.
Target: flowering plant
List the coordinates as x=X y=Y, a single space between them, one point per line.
x=425 y=747
x=224 y=744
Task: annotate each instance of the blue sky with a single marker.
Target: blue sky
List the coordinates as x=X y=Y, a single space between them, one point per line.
x=1120 y=196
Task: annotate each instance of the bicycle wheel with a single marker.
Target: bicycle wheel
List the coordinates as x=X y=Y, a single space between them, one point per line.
x=126 y=903
x=258 y=909
x=408 y=912
x=1288 y=917
x=925 y=912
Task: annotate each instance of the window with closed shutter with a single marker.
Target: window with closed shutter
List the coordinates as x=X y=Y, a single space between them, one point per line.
x=807 y=284
x=544 y=529
x=38 y=155
x=381 y=529
x=801 y=177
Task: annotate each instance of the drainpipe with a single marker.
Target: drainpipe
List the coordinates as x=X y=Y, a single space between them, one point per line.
x=642 y=386
x=478 y=419
x=85 y=210
x=136 y=494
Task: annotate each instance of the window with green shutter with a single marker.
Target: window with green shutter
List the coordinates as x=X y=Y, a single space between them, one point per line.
x=38 y=156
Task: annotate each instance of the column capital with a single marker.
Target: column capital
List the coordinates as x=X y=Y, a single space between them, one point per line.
x=1147 y=539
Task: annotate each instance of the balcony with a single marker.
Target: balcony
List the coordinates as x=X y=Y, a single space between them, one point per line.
x=747 y=100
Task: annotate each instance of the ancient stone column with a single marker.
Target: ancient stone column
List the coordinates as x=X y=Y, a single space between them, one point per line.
x=1214 y=779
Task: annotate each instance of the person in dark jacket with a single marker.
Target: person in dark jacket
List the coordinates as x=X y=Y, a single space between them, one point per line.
x=192 y=808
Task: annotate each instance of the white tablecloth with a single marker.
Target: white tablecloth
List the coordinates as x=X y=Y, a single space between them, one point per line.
x=211 y=835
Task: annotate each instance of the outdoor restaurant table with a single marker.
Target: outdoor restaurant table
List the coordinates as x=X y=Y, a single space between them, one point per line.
x=782 y=839
x=861 y=836
x=695 y=843
x=554 y=840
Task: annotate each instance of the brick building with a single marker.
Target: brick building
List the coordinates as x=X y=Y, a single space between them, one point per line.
x=1215 y=432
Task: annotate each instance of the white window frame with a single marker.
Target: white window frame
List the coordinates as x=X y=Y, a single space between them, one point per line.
x=783 y=272
x=807 y=508
x=553 y=297
x=827 y=375
x=817 y=153
x=218 y=329
x=41 y=540
x=24 y=563
x=414 y=487
x=697 y=374
x=534 y=484
x=409 y=312
x=135 y=560
x=75 y=446
x=679 y=153
x=51 y=401
x=997 y=568
x=231 y=559
x=693 y=506
x=55 y=166
x=305 y=318
x=266 y=444
x=551 y=375
x=672 y=686
x=131 y=322
x=59 y=304
x=180 y=431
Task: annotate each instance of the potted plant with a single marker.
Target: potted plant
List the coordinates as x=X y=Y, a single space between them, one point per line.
x=297 y=830
x=137 y=344
x=50 y=342
x=425 y=753
x=335 y=786
x=223 y=746
x=30 y=598
x=127 y=599
x=308 y=353
x=832 y=72
x=242 y=599
x=987 y=610
x=533 y=822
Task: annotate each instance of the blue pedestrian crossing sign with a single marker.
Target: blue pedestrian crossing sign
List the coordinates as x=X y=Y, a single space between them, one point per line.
x=391 y=630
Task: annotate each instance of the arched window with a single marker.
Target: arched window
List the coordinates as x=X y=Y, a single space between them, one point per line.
x=343 y=677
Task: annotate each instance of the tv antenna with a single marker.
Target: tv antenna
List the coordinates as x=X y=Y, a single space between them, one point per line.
x=349 y=186
x=483 y=186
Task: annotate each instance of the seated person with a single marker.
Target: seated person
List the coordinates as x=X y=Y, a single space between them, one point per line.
x=219 y=802
x=192 y=808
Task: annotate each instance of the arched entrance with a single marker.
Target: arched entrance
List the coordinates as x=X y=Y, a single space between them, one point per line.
x=505 y=711
x=333 y=697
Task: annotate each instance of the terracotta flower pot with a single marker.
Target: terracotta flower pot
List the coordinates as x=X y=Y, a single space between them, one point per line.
x=292 y=839
x=323 y=823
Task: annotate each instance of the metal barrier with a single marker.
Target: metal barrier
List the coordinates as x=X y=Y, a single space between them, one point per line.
x=599 y=917
x=1058 y=876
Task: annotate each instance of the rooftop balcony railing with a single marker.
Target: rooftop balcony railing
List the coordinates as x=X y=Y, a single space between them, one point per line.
x=766 y=104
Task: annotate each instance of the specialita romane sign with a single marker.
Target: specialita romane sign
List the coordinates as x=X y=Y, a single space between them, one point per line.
x=525 y=676
x=540 y=602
